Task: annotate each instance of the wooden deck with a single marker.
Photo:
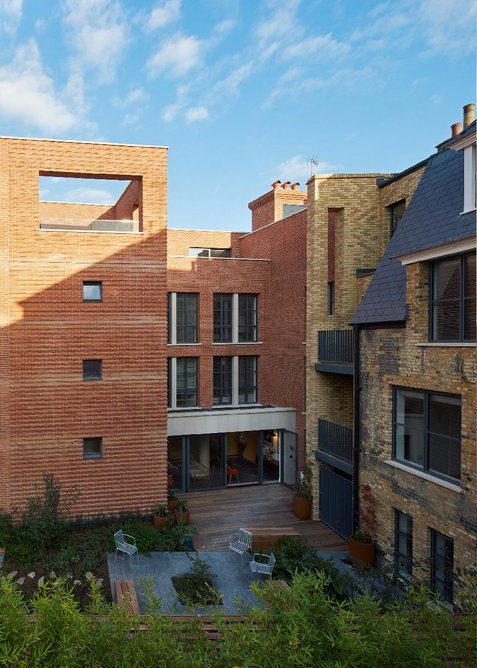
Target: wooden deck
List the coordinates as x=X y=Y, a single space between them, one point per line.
x=217 y=514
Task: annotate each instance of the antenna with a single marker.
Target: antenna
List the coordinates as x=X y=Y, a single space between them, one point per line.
x=313 y=162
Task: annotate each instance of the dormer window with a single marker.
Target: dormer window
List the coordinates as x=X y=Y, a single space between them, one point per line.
x=469 y=178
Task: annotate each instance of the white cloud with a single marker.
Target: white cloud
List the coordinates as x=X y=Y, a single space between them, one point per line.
x=177 y=56
x=322 y=45
x=10 y=14
x=172 y=110
x=231 y=83
x=280 y=23
x=449 y=26
x=300 y=167
x=136 y=95
x=99 y=33
x=196 y=114
x=163 y=14
x=89 y=196
x=28 y=95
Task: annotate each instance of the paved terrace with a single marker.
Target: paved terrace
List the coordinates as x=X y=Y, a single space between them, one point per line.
x=217 y=514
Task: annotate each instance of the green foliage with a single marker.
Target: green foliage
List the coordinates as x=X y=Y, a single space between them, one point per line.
x=161 y=510
x=304 y=487
x=362 y=536
x=301 y=627
x=171 y=537
x=182 y=505
x=45 y=516
x=293 y=557
x=145 y=533
x=197 y=588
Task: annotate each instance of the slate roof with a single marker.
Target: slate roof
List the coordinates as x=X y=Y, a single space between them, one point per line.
x=432 y=218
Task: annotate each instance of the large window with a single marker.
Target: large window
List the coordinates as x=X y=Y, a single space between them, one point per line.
x=442 y=565
x=182 y=382
x=235 y=318
x=182 y=317
x=223 y=305
x=452 y=299
x=222 y=380
x=247 y=384
x=403 y=545
x=427 y=430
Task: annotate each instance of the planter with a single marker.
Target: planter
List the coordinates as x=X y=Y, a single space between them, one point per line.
x=160 y=521
x=172 y=505
x=182 y=517
x=302 y=507
x=363 y=552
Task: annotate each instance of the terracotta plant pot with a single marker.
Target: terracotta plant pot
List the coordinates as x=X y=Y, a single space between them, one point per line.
x=182 y=517
x=160 y=521
x=302 y=507
x=363 y=552
x=172 y=505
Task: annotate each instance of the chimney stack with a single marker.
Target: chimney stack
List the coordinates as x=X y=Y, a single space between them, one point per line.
x=286 y=185
x=295 y=186
x=469 y=114
x=456 y=129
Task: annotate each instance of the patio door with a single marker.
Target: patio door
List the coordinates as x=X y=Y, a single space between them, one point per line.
x=206 y=461
x=289 y=450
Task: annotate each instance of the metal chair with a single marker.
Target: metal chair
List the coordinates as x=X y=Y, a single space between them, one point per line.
x=262 y=567
x=241 y=543
x=122 y=545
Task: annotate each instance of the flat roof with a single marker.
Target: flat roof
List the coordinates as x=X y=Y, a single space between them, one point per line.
x=81 y=141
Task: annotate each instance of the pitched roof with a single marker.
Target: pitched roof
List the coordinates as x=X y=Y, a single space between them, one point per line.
x=432 y=218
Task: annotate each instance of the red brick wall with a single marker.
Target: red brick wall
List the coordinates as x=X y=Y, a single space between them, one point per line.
x=179 y=241
x=269 y=207
x=284 y=243
x=46 y=330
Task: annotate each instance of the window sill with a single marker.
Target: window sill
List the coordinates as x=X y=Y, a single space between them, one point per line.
x=425 y=476
x=93 y=456
x=467 y=211
x=237 y=343
x=173 y=345
x=446 y=344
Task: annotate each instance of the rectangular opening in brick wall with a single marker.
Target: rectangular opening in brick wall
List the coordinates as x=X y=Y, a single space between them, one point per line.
x=89 y=204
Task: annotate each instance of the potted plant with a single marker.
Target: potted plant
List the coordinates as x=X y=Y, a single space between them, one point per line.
x=361 y=545
x=171 y=500
x=170 y=474
x=160 y=516
x=181 y=513
x=302 y=501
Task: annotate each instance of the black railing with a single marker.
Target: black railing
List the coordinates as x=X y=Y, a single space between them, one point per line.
x=335 y=346
x=335 y=440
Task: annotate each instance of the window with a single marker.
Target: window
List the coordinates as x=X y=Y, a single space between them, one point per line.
x=235 y=318
x=403 y=545
x=452 y=299
x=91 y=369
x=442 y=565
x=182 y=317
x=92 y=291
x=209 y=252
x=222 y=380
x=427 y=432
x=247 y=318
x=396 y=212
x=182 y=382
x=331 y=298
x=247 y=382
x=223 y=318
x=469 y=178
x=92 y=447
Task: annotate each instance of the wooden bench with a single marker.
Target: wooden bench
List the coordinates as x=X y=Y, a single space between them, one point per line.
x=265 y=538
x=125 y=594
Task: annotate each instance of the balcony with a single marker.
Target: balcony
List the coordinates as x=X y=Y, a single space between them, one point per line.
x=335 y=351
x=335 y=445
x=88 y=225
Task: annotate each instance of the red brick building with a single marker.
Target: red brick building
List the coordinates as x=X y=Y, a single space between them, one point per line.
x=124 y=345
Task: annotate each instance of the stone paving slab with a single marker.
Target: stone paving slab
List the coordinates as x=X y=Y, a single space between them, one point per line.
x=229 y=578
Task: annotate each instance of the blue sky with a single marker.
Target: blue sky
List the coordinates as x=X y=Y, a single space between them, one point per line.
x=243 y=92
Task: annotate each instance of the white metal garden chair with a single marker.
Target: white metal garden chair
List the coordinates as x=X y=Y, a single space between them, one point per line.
x=125 y=546
x=241 y=543
x=262 y=567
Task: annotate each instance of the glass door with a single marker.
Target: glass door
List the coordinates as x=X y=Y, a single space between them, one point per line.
x=206 y=461
x=290 y=447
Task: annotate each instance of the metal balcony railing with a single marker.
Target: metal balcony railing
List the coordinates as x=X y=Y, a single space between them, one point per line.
x=335 y=440
x=88 y=225
x=335 y=346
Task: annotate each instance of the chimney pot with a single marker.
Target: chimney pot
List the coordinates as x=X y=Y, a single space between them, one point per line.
x=286 y=185
x=295 y=185
x=456 y=129
x=469 y=114
x=276 y=185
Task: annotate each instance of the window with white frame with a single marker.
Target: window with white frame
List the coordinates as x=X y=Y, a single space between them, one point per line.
x=235 y=318
x=182 y=382
x=469 y=178
x=182 y=317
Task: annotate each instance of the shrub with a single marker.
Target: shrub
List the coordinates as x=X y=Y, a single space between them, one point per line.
x=45 y=517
